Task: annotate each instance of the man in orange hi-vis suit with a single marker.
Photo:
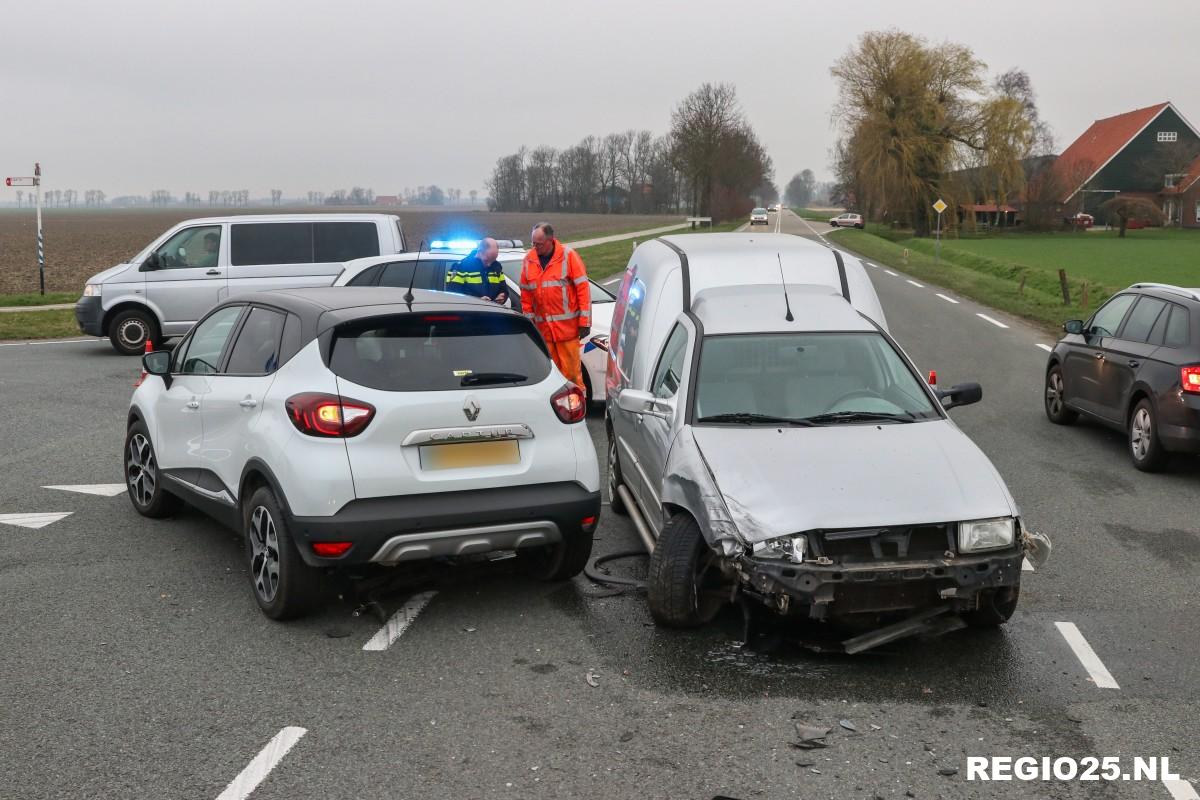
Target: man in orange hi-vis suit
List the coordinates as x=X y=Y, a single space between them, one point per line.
x=555 y=294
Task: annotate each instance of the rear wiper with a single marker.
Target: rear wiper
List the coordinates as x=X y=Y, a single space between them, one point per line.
x=480 y=378
x=859 y=416
x=749 y=418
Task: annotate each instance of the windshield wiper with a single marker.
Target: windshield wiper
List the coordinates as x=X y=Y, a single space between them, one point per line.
x=860 y=416
x=480 y=378
x=749 y=418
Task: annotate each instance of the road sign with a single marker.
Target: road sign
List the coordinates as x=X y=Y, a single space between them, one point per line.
x=20 y=182
x=940 y=205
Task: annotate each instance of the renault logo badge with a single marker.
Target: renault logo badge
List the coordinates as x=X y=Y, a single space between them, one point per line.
x=471 y=409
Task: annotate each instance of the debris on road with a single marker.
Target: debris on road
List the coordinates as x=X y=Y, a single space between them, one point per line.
x=848 y=725
x=810 y=737
x=1037 y=547
x=591 y=679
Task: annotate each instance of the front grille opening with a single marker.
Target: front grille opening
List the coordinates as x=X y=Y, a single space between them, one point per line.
x=870 y=545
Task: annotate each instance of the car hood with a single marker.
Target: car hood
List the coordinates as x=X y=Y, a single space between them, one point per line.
x=108 y=274
x=779 y=481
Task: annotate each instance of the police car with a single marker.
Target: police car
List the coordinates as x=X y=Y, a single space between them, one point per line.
x=430 y=268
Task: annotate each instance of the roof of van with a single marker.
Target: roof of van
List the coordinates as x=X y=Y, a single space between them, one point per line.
x=313 y=217
x=761 y=309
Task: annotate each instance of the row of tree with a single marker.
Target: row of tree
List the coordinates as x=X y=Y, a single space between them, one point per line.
x=60 y=198
x=709 y=163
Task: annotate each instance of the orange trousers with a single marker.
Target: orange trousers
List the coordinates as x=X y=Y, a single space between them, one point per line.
x=565 y=355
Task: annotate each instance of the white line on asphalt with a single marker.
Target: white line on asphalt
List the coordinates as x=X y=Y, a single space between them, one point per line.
x=889 y=272
x=914 y=283
x=248 y=779
x=995 y=322
x=34 y=521
x=614 y=280
x=50 y=341
x=1087 y=656
x=869 y=264
x=1026 y=566
x=399 y=622
x=1181 y=790
x=1046 y=347
x=947 y=299
x=102 y=489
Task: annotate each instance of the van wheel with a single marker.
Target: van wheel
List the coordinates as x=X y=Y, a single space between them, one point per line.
x=614 y=478
x=996 y=607
x=1144 y=447
x=558 y=562
x=129 y=331
x=143 y=480
x=1056 y=403
x=684 y=587
x=284 y=586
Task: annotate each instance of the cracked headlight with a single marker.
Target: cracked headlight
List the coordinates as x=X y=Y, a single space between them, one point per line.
x=985 y=534
x=792 y=548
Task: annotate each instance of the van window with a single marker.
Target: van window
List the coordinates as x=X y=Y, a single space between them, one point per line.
x=196 y=247
x=256 y=351
x=669 y=375
x=271 y=243
x=344 y=241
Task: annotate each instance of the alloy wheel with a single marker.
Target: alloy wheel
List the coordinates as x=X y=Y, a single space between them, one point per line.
x=1139 y=435
x=1054 y=393
x=141 y=470
x=264 y=554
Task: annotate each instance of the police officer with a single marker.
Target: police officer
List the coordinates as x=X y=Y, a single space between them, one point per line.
x=479 y=274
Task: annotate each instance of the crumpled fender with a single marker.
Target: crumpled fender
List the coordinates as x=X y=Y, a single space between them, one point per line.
x=689 y=483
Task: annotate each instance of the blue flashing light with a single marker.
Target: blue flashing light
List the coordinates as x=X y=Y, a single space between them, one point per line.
x=458 y=245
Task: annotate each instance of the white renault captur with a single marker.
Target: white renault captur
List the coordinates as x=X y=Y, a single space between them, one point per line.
x=338 y=427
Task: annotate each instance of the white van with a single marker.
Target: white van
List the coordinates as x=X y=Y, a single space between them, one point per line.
x=161 y=292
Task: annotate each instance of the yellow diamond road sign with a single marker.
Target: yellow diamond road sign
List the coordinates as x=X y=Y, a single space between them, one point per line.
x=940 y=205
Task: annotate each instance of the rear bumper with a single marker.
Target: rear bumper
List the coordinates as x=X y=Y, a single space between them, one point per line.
x=388 y=530
x=90 y=315
x=1179 y=424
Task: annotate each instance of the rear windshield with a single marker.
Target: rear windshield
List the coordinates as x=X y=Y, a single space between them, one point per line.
x=438 y=351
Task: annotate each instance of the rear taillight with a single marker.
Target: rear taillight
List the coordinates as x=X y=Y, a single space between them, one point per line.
x=319 y=414
x=569 y=403
x=1189 y=379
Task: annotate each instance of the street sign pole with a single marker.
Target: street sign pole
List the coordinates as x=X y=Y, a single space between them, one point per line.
x=939 y=207
x=41 y=244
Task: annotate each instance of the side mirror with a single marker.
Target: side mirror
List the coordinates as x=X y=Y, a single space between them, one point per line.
x=964 y=394
x=158 y=363
x=152 y=262
x=1074 y=326
x=639 y=402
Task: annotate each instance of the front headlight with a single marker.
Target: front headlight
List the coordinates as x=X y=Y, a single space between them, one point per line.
x=792 y=548
x=92 y=290
x=985 y=534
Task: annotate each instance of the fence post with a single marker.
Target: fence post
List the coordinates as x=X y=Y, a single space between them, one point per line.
x=1021 y=288
x=1066 y=290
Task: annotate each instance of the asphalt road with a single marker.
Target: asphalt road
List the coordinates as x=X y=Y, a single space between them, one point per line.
x=136 y=664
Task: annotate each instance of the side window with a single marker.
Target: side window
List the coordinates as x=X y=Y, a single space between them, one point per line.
x=292 y=339
x=1160 y=327
x=432 y=274
x=1107 y=321
x=1178 y=334
x=191 y=248
x=669 y=374
x=270 y=243
x=204 y=349
x=256 y=351
x=1142 y=318
x=368 y=277
x=344 y=241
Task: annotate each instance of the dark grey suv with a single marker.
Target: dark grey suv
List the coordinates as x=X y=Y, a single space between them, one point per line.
x=1135 y=366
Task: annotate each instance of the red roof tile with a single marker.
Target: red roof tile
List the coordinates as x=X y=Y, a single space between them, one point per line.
x=1100 y=142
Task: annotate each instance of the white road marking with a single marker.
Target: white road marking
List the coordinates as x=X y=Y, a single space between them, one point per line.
x=872 y=266
x=257 y=770
x=995 y=322
x=914 y=283
x=34 y=521
x=948 y=299
x=102 y=489
x=614 y=280
x=889 y=272
x=399 y=622
x=1026 y=566
x=49 y=341
x=1087 y=656
x=1046 y=347
x=1181 y=790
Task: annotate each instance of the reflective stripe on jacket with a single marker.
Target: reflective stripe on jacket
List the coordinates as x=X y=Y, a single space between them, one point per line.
x=557 y=299
x=468 y=277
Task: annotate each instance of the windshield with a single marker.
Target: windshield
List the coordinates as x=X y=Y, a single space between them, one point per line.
x=807 y=378
x=758 y=210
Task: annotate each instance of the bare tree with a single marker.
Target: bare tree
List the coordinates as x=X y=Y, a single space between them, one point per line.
x=20 y=194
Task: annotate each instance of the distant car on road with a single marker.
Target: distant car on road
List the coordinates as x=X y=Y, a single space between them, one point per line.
x=759 y=217
x=772 y=209
x=357 y=427
x=847 y=221
x=1081 y=220
x=1133 y=366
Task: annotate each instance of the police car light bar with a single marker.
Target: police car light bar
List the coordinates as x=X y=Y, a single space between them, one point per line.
x=467 y=245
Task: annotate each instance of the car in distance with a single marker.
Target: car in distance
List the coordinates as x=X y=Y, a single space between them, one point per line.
x=759 y=217
x=339 y=428
x=775 y=440
x=772 y=209
x=161 y=292
x=431 y=268
x=1135 y=367
x=847 y=220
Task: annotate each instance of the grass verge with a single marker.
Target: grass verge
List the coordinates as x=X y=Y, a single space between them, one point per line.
x=812 y=215
x=33 y=299
x=606 y=260
x=59 y=324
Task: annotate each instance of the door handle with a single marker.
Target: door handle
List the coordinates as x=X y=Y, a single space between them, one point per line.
x=1134 y=363
x=193 y=403
x=1100 y=356
x=213 y=272
x=248 y=402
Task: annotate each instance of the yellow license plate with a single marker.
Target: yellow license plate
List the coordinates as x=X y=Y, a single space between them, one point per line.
x=470 y=454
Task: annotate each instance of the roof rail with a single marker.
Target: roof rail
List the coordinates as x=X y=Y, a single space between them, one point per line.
x=1167 y=287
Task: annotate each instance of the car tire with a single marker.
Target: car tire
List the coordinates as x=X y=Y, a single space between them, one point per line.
x=558 y=562
x=1145 y=449
x=614 y=478
x=1055 y=400
x=996 y=607
x=143 y=480
x=283 y=585
x=859 y=226
x=680 y=587
x=129 y=331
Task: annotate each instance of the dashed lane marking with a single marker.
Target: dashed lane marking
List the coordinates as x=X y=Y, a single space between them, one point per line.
x=34 y=521
x=947 y=299
x=1087 y=656
x=1181 y=790
x=1046 y=347
x=914 y=283
x=894 y=274
x=49 y=341
x=102 y=489
x=249 y=778
x=995 y=322
x=399 y=622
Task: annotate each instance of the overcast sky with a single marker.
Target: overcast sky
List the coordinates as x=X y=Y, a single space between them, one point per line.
x=128 y=96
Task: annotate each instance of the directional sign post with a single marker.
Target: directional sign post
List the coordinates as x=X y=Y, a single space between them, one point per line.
x=19 y=182
x=939 y=207
x=36 y=182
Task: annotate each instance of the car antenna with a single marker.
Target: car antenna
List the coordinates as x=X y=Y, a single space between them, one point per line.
x=408 y=295
x=786 y=303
